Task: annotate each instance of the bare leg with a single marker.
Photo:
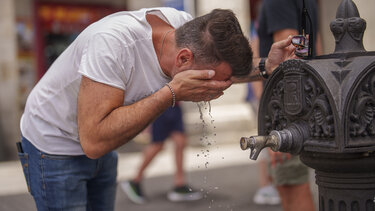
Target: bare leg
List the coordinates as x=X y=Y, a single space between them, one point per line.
x=296 y=197
x=264 y=178
x=180 y=143
x=148 y=155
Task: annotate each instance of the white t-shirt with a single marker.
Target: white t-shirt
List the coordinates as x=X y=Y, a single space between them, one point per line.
x=117 y=51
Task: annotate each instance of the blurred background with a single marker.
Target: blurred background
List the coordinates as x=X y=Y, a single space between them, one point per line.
x=34 y=32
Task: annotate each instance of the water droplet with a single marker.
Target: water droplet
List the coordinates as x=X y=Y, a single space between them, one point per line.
x=201 y=189
x=214 y=134
x=209 y=143
x=216 y=188
x=197 y=155
x=206 y=164
x=209 y=110
x=190 y=189
x=200 y=111
x=208 y=150
x=222 y=158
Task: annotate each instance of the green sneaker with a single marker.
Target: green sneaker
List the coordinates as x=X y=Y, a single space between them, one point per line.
x=184 y=193
x=133 y=191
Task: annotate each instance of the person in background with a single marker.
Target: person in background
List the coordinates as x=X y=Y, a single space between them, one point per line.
x=278 y=20
x=266 y=193
x=168 y=125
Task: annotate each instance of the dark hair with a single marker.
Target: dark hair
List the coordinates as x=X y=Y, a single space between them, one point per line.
x=217 y=37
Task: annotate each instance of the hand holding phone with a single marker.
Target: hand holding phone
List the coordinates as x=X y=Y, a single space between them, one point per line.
x=302 y=46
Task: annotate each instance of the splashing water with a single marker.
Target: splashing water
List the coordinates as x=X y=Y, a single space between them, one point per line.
x=207 y=126
x=202 y=107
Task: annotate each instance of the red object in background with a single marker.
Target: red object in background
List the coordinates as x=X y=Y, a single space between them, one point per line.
x=57 y=24
x=254 y=8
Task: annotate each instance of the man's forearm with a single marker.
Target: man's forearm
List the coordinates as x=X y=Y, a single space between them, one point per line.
x=123 y=124
x=104 y=124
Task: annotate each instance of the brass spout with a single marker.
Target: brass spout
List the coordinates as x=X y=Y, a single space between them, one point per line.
x=257 y=143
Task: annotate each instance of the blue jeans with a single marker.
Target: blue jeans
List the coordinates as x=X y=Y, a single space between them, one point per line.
x=60 y=182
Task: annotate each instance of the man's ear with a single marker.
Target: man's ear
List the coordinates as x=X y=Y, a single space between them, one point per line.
x=185 y=57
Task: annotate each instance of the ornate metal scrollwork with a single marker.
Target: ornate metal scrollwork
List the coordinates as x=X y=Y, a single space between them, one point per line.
x=276 y=118
x=362 y=116
x=297 y=95
x=321 y=119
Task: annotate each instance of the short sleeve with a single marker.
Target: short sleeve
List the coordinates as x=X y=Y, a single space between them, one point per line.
x=281 y=15
x=175 y=17
x=103 y=60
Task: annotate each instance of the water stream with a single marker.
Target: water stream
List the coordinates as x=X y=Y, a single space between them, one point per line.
x=210 y=145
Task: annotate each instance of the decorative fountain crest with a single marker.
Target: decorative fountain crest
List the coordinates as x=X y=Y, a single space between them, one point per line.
x=348 y=28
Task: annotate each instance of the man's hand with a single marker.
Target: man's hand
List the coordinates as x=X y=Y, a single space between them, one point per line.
x=280 y=51
x=197 y=85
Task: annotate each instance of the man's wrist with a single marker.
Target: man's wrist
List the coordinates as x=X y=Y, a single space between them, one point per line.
x=268 y=66
x=173 y=94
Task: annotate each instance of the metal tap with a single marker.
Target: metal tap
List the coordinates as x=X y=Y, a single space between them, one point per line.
x=257 y=143
x=288 y=140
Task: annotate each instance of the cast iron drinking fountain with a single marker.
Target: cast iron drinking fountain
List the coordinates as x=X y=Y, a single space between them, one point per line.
x=323 y=109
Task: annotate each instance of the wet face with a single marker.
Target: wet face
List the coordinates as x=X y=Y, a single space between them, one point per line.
x=223 y=71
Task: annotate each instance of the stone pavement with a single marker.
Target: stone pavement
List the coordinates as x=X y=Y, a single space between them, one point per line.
x=223 y=173
x=227 y=188
x=226 y=177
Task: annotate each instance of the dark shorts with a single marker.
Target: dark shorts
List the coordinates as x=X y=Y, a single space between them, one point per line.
x=168 y=122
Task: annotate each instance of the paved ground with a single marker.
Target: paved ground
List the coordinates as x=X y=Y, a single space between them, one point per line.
x=228 y=188
x=228 y=183
x=223 y=173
